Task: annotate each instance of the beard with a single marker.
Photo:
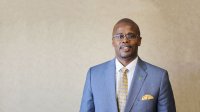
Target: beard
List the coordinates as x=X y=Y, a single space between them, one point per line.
x=126 y=55
x=131 y=54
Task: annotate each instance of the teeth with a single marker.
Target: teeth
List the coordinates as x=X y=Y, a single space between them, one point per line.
x=125 y=47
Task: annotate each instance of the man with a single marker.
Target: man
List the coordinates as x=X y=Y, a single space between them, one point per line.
x=127 y=83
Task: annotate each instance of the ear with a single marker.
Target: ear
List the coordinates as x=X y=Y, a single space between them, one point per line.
x=139 y=41
x=112 y=42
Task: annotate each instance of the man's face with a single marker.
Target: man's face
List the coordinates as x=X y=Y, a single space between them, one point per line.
x=126 y=48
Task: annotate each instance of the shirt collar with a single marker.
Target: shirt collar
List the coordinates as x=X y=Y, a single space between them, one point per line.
x=130 y=66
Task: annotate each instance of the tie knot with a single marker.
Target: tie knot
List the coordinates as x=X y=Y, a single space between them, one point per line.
x=124 y=70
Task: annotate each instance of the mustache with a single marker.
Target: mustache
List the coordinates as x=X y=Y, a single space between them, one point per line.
x=122 y=46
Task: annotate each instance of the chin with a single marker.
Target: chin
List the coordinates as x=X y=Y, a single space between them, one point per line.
x=126 y=56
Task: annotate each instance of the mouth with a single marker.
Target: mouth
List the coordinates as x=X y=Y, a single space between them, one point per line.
x=125 y=48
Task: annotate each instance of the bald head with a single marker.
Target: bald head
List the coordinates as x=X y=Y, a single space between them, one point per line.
x=127 y=21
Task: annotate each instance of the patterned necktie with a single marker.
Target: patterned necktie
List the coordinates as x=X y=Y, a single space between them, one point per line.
x=122 y=90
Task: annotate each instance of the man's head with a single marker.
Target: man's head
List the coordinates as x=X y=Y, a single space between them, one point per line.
x=126 y=39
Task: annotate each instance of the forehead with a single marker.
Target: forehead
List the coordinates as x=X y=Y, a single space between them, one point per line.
x=124 y=28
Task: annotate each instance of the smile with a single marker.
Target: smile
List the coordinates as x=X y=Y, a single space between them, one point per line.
x=125 y=48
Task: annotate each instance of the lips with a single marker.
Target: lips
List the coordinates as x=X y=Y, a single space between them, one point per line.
x=125 y=47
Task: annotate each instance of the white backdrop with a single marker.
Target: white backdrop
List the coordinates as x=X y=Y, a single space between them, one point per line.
x=47 y=46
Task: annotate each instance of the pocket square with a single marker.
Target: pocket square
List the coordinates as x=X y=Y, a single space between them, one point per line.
x=147 y=97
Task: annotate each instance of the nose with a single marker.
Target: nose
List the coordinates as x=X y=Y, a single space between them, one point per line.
x=125 y=39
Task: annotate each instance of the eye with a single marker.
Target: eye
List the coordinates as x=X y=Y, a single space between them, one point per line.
x=118 y=36
x=121 y=36
x=131 y=36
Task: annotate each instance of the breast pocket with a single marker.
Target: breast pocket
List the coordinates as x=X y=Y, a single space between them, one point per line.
x=145 y=106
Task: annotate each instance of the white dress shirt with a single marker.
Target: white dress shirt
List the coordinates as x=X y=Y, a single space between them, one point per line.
x=131 y=69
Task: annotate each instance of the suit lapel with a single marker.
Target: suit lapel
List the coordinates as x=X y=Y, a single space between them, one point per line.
x=110 y=84
x=136 y=84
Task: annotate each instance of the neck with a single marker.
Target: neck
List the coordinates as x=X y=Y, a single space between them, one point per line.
x=126 y=61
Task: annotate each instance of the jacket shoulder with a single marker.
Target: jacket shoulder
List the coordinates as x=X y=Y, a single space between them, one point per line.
x=153 y=68
x=102 y=65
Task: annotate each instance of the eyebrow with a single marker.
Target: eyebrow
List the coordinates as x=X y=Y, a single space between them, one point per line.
x=127 y=33
x=130 y=33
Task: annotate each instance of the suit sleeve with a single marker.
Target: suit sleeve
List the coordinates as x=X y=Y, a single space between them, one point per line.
x=87 y=103
x=166 y=101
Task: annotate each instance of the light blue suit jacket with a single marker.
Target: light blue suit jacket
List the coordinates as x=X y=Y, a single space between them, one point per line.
x=99 y=93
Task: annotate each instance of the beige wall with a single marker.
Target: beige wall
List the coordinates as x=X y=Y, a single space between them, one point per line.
x=46 y=47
